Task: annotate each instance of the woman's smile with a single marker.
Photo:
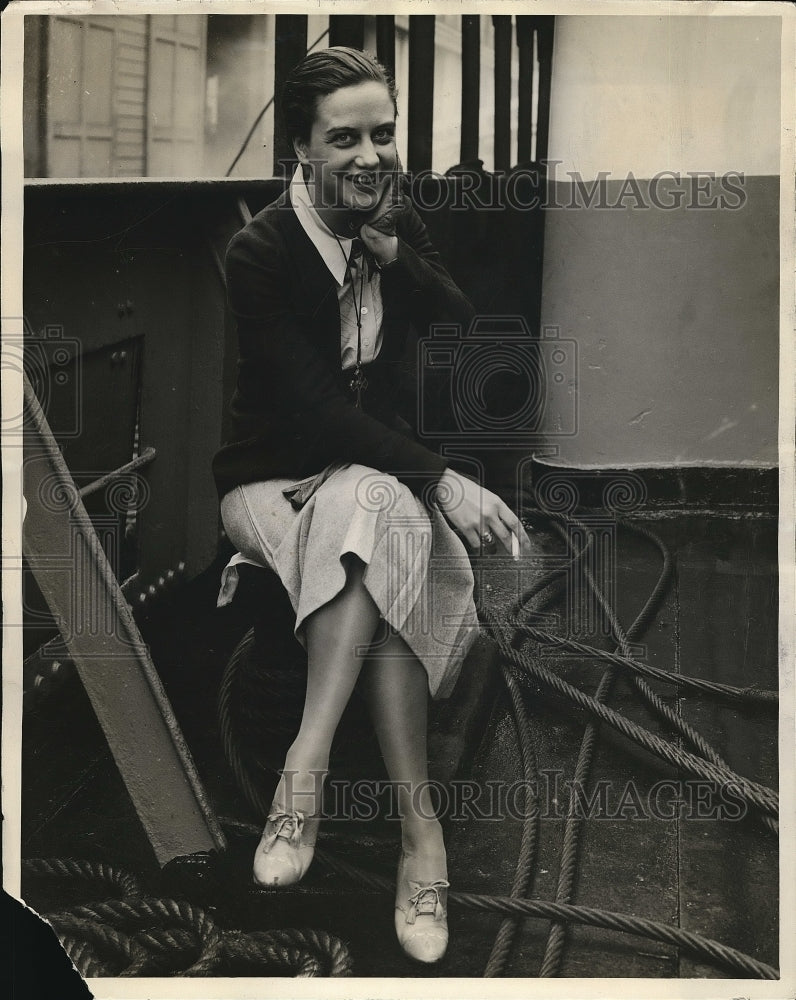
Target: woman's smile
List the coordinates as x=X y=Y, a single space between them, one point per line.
x=351 y=149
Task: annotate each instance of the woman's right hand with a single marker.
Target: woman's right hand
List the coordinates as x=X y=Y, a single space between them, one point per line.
x=474 y=511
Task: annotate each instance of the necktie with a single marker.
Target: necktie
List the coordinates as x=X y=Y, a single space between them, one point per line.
x=359 y=252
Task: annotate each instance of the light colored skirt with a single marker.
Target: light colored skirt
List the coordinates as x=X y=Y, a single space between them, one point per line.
x=417 y=569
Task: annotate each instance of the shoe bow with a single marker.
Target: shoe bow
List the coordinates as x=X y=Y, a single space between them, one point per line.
x=426 y=899
x=285 y=826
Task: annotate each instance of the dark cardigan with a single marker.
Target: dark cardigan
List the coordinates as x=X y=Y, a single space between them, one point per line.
x=292 y=410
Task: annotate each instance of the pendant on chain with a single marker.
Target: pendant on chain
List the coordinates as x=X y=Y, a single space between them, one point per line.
x=358 y=383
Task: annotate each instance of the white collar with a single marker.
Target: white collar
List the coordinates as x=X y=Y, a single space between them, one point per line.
x=323 y=239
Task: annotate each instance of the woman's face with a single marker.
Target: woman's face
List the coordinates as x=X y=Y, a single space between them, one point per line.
x=351 y=147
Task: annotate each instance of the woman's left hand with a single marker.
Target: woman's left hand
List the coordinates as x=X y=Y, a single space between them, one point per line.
x=480 y=515
x=384 y=248
x=378 y=229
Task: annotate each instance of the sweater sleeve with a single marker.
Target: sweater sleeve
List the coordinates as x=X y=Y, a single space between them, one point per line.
x=418 y=270
x=297 y=380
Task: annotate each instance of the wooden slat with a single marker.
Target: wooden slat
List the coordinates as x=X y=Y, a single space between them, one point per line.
x=385 y=42
x=347 y=30
x=525 y=88
x=544 y=40
x=290 y=47
x=421 y=91
x=502 y=25
x=471 y=85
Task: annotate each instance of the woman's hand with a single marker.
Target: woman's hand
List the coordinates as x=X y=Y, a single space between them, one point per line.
x=378 y=228
x=474 y=511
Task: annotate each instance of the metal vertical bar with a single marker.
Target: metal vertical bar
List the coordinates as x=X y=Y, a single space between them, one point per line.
x=502 y=25
x=346 y=29
x=290 y=45
x=471 y=85
x=525 y=88
x=544 y=42
x=385 y=42
x=421 y=91
x=97 y=626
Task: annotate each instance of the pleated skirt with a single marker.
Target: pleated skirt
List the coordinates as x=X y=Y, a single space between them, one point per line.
x=417 y=570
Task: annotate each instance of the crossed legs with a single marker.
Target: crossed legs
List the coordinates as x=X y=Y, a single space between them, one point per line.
x=339 y=637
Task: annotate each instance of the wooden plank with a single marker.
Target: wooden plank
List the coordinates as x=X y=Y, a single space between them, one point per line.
x=524 y=88
x=290 y=46
x=421 y=92
x=346 y=29
x=385 y=41
x=471 y=86
x=545 y=29
x=503 y=26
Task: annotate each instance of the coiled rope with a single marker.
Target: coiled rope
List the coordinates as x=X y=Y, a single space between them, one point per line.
x=138 y=935
x=519 y=668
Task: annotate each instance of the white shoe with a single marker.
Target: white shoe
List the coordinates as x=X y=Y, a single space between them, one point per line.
x=282 y=856
x=421 y=918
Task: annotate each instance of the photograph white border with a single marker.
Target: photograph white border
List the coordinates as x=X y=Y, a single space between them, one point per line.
x=11 y=297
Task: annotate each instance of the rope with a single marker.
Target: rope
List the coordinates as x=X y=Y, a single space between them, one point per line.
x=752 y=693
x=251 y=789
x=518 y=668
x=568 y=868
x=151 y=936
x=138 y=935
x=753 y=793
x=702 y=947
x=523 y=877
x=573 y=829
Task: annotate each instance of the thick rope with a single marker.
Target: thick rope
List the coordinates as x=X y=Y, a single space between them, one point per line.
x=714 y=951
x=152 y=936
x=574 y=825
x=753 y=793
x=573 y=829
x=138 y=935
x=529 y=841
x=251 y=789
x=748 y=696
x=518 y=666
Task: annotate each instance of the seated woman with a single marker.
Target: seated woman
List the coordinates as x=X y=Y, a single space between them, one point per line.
x=324 y=481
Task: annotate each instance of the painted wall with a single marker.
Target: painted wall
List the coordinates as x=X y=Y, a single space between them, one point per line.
x=669 y=288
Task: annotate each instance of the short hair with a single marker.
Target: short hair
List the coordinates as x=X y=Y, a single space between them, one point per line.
x=322 y=73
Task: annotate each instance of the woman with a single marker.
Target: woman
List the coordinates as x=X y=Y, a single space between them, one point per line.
x=324 y=481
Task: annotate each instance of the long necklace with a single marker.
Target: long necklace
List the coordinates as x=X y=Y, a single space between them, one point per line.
x=359 y=382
